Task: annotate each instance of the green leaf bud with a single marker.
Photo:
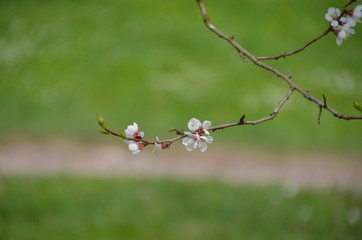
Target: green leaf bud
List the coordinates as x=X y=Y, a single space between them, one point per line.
x=357 y=106
x=122 y=135
x=101 y=121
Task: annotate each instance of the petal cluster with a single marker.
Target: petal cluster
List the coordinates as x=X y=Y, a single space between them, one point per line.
x=132 y=132
x=195 y=138
x=194 y=141
x=343 y=26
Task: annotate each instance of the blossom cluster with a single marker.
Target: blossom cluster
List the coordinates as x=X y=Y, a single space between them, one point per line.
x=343 y=26
x=132 y=132
x=192 y=140
x=195 y=138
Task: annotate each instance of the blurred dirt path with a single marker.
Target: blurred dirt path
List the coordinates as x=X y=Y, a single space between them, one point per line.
x=237 y=164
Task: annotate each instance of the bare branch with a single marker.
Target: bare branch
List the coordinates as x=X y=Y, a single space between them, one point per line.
x=254 y=59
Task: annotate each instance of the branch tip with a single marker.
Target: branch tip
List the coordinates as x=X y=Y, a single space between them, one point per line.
x=242 y=119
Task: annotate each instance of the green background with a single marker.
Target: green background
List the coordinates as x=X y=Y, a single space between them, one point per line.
x=155 y=63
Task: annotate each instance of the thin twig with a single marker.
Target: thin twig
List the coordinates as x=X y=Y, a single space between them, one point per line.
x=283 y=55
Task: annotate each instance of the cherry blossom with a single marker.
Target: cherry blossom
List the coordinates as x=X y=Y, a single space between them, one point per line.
x=357 y=13
x=343 y=26
x=343 y=32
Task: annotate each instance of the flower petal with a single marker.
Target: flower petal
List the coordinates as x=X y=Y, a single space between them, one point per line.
x=203 y=146
x=209 y=139
x=136 y=152
x=186 y=140
x=206 y=124
x=133 y=146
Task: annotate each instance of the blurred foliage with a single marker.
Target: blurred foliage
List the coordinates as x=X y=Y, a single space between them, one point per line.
x=154 y=62
x=79 y=208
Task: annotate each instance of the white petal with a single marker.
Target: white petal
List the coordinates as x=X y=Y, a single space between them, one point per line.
x=357 y=10
x=131 y=129
x=157 y=147
x=206 y=124
x=328 y=17
x=135 y=152
x=194 y=124
x=188 y=134
x=205 y=131
x=342 y=34
x=129 y=133
x=331 y=10
x=133 y=146
x=190 y=147
x=142 y=134
x=209 y=139
x=195 y=144
x=203 y=146
x=186 y=140
x=339 y=41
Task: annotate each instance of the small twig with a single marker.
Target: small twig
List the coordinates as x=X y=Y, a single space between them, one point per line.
x=321 y=108
x=286 y=54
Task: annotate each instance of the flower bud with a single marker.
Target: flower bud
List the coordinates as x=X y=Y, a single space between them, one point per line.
x=104 y=132
x=357 y=106
x=101 y=121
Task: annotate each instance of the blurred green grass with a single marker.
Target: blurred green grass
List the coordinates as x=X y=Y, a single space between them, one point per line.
x=85 y=208
x=155 y=63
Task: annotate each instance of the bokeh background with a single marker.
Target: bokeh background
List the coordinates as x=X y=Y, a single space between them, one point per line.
x=155 y=63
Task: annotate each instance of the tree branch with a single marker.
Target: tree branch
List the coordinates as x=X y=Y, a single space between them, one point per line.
x=243 y=52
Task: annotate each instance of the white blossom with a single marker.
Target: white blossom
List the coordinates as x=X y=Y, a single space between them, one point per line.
x=357 y=13
x=132 y=131
x=350 y=21
x=332 y=15
x=193 y=141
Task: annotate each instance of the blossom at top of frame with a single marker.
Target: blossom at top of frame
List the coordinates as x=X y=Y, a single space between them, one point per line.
x=332 y=15
x=357 y=13
x=343 y=32
x=132 y=131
